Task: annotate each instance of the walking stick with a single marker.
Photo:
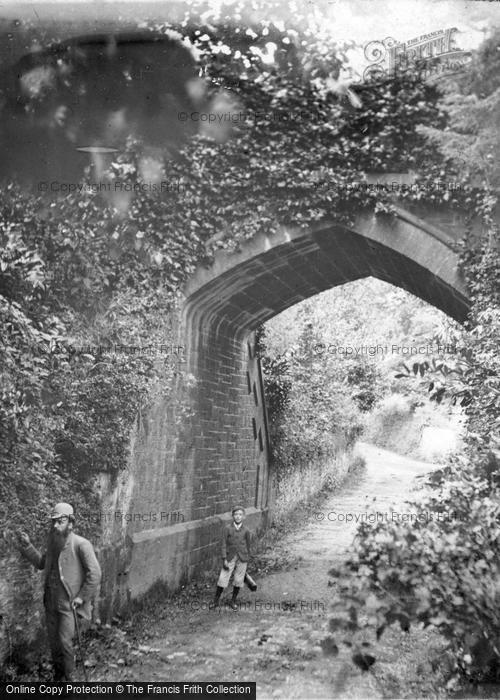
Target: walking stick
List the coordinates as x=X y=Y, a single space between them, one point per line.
x=82 y=657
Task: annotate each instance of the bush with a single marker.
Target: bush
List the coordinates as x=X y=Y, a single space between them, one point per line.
x=440 y=569
x=394 y=406
x=312 y=422
x=366 y=381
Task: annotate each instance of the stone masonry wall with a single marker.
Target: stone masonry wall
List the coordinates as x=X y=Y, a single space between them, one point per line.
x=201 y=448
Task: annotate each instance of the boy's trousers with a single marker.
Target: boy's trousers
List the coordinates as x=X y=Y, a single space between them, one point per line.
x=239 y=567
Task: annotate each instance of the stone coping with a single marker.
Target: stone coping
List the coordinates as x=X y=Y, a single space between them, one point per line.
x=170 y=530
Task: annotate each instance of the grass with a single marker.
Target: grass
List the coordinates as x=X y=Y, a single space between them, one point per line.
x=312 y=481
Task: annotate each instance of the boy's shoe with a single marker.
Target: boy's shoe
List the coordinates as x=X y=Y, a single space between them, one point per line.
x=233 y=605
x=214 y=604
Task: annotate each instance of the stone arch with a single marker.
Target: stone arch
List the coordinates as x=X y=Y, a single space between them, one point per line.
x=228 y=456
x=270 y=273
x=218 y=454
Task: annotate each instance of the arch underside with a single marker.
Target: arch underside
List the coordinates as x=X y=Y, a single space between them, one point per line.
x=273 y=275
x=210 y=447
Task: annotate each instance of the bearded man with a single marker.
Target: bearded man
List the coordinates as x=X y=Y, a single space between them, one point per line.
x=71 y=580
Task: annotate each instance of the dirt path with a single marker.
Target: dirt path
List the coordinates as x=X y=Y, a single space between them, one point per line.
x=274 y=637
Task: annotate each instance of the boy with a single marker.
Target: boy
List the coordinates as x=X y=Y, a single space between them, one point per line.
x=235 y=555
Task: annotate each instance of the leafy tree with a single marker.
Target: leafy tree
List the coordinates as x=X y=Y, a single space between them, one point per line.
x=440 y=567
x=472 y=103
x=94 y=270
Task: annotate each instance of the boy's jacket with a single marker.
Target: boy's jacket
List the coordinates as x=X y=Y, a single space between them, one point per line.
x=236 y=542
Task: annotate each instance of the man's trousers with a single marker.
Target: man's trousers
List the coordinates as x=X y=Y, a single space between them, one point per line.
x=61 y=630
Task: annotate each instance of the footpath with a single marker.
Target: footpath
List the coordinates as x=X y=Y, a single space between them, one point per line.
x=274 y=638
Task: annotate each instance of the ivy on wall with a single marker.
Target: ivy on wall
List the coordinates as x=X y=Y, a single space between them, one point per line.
x=81 y=271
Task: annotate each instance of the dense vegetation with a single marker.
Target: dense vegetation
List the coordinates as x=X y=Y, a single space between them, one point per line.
x=81 y=271
x=440 y=569
x=328 y=363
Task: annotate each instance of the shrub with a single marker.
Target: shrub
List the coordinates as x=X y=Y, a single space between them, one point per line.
x=366 y=381
x=439 y=569
x=394 y=406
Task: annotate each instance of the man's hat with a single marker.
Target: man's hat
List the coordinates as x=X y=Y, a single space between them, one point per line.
x=62 y=509
x=235 y=508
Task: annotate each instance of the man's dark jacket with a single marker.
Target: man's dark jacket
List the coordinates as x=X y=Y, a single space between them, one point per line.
x=79 y=570
x=236 y=542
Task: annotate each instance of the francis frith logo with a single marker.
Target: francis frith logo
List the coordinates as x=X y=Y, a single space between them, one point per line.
x=430 y=55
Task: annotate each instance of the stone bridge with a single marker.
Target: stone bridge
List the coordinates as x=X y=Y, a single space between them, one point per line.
x=204 y=444
x=219 y=454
